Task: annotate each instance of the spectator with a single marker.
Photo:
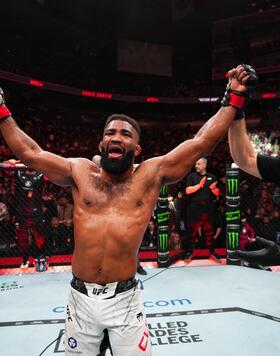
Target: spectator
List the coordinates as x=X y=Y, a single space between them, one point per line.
x=275 y=221
x=266 y=228
x=181 y=216
x=3 y=211
x=64 y=209
x=7 y=232
x=150 y=236
x=247 y=235
x=201 y=191
x=49 y=209
x=68 y=236
x=54 y=236
x=27 y=209
x=175 y=241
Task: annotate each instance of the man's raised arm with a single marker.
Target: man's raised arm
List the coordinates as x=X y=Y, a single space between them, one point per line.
x=56 y=168
x=241 y=149
x=175 y=164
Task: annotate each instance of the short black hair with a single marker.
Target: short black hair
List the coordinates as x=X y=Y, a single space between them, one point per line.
x=126 y=118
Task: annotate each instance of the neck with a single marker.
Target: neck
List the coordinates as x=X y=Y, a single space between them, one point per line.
x=118 y=177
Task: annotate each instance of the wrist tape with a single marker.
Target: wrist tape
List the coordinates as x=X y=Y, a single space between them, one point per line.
x=4 y=112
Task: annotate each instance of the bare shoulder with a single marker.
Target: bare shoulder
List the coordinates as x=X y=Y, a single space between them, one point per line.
x=80 y=165
x=148 y=168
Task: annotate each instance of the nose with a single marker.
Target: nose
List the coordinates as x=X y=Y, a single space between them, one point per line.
x=116 y=139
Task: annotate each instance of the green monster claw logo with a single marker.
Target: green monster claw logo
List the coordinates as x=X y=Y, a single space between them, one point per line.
x=233 y=238
x=232 y=185
x=163 y=191
x=163 y=241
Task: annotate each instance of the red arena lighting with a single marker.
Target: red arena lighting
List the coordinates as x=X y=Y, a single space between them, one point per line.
x=36 y=83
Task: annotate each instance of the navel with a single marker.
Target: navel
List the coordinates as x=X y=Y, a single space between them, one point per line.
x=87 y=202
x=139 y=202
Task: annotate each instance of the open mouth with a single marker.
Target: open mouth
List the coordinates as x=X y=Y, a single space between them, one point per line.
x=115 y=151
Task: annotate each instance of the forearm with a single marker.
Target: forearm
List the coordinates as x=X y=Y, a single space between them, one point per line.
x=192 y=189
x=180 y=160
x=23 y=146
x=215 y=191
x=214 y=129
x=241 y=149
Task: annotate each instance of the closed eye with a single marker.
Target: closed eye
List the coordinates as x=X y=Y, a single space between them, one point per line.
x=126 y=133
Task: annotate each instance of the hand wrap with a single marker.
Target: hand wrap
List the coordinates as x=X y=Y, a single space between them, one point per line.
x=4 y=111
x=237 y=99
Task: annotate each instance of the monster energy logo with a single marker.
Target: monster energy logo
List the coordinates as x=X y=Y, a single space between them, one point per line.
x=163 y=241
x=162 y=217
x=232 y=185
x=233 y=215
x=163 y=191
x=233 y=240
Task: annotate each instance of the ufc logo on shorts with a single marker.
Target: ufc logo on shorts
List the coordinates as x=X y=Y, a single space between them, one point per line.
x=98 y=291
x=144 y=341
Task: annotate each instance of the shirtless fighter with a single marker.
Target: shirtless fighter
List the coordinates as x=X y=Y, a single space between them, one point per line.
x=113 y=205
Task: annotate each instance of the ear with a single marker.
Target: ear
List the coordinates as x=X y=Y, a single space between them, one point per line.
x=138 y=150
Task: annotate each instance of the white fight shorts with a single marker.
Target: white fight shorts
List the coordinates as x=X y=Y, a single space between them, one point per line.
x=117 y=307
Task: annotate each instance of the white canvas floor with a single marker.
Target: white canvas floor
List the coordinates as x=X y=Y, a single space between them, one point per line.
x=192 y=310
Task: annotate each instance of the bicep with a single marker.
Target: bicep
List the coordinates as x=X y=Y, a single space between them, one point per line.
x=251 y=167
x=56 y=168
x=178 y=162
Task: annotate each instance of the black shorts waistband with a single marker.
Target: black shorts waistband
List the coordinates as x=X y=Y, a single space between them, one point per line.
x=121 y=287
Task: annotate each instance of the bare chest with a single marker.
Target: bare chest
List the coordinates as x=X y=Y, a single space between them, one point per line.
x=99 y=194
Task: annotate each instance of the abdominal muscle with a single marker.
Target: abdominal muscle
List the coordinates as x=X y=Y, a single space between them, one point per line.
x=106 y=252
x=106 y=270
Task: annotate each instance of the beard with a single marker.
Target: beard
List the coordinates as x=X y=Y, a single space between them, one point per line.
x=116 y=165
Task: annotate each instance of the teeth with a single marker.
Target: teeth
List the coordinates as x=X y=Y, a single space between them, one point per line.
x=115 y=150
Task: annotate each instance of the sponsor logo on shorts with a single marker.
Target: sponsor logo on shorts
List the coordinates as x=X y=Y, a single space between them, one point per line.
x=69 y=318
x=144 y=341
x=72 y=342
x=139 y=316
x=98 y=291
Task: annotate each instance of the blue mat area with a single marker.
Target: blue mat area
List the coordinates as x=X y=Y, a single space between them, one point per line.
x=202 y=311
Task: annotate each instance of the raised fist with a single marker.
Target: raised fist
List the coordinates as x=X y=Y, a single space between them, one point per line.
x=241 y=81
x=242 y=78
x=4 y=111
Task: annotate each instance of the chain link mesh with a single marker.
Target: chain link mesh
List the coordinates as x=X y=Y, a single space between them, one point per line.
x=36 y=220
